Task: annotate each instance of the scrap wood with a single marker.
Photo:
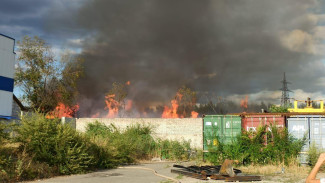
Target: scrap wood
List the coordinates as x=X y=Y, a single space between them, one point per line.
x=212 y=172
x=190 y=174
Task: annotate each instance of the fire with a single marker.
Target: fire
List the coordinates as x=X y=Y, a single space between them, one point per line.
x=96 y=115
x=244 y=102
x=112 y=105
x=128 y=83
x=194 y=114
x=172 y=112
x=128 y=105
x=63 y=111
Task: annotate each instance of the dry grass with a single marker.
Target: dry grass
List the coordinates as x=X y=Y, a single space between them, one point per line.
x=292 y=173
x=274 y=169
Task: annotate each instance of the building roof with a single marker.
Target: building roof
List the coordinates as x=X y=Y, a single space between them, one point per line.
x=21 y=106
x=7 y=36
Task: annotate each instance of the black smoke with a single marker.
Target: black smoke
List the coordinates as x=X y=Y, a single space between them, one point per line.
x=224 y=47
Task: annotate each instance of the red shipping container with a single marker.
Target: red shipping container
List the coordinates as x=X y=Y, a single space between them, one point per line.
x=251 y=122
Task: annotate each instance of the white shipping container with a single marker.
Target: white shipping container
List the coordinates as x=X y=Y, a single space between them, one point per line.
x=7 y=57
x=317 y=132
x=313 y=126
x=7 y=64
x=298 y=126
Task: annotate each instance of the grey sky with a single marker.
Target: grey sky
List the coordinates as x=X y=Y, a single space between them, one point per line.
x=228 y=47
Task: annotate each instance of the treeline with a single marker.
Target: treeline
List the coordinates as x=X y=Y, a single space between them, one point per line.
x=224 y=107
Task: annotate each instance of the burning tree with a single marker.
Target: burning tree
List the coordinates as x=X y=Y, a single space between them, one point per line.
x=182 y=105
x=115 y=99
x=187 y=102
x=47 y=84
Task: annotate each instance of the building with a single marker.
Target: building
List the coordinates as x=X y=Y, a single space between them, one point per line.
x=7 y=66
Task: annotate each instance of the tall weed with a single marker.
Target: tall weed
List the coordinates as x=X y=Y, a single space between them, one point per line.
x=59 y=146
x=135 y=143
x=267 y=145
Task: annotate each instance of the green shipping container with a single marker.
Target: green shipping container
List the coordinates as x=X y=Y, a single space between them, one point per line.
x=220 y=128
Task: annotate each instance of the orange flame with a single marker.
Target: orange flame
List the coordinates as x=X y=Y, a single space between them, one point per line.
x=63 y=111
x=172 y=112
x=244 y=102
x=95 y=115
x=128 y=105
x=128 y=83
x=112 y=105
x=194 y=114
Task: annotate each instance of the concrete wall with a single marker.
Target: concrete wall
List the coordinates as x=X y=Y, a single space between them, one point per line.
x=174 y=129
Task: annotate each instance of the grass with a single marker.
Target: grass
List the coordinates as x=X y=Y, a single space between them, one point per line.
x=180 y=176
x=267 y=170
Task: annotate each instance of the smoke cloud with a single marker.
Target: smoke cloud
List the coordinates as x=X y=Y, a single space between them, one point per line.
x=227 y=47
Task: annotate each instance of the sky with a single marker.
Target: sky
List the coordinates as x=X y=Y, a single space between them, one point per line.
x=228 y=48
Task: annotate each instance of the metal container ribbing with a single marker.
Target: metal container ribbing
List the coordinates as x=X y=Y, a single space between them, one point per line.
x=220 y=128
x=298 y=127
x=252 y=122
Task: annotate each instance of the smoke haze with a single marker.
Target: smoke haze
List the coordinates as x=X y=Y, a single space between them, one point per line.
x=226 y=47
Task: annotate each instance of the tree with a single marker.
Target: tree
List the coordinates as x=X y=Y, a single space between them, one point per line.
x=44 y=81
x=115 y=99
x=186 y=100
x=280 y=109
x=119 y=91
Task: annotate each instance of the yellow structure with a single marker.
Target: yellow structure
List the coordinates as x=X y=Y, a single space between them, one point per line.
x=309 y=108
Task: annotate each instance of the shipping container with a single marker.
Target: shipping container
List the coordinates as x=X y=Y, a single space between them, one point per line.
x=7 y=61
x=220 y=128
x=250 y=122
x=317 y=131
x=298 y=127
x=313 y=126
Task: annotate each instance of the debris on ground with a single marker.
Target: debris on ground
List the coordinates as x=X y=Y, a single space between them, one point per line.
x=225 y=172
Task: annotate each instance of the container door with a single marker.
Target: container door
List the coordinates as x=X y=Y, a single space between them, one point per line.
x=317 y=130
x=211 y=130
x=231 y=128
x=298 y=127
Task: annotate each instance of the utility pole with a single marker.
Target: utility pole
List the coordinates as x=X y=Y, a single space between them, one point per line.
x=285 y=100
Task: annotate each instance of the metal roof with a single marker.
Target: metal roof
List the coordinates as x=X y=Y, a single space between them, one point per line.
x=7 y=36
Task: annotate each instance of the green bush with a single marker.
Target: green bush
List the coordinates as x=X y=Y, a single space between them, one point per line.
x=128 y=146
x=280 y=109
x=59 y=146
x=135 y=143
x=175 y=150
x=265 y=146
x=313 y=154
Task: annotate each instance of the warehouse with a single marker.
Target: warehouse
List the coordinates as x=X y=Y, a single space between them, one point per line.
x=7 y=64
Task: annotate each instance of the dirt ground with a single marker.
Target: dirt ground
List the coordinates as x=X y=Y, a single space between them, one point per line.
x=140 y=174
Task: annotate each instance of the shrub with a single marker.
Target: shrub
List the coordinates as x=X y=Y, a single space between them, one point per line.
x=280 y=109
x=135 y=143
x=313 y=154
x=59 y=146
x=174 y=150
x=265 y=146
